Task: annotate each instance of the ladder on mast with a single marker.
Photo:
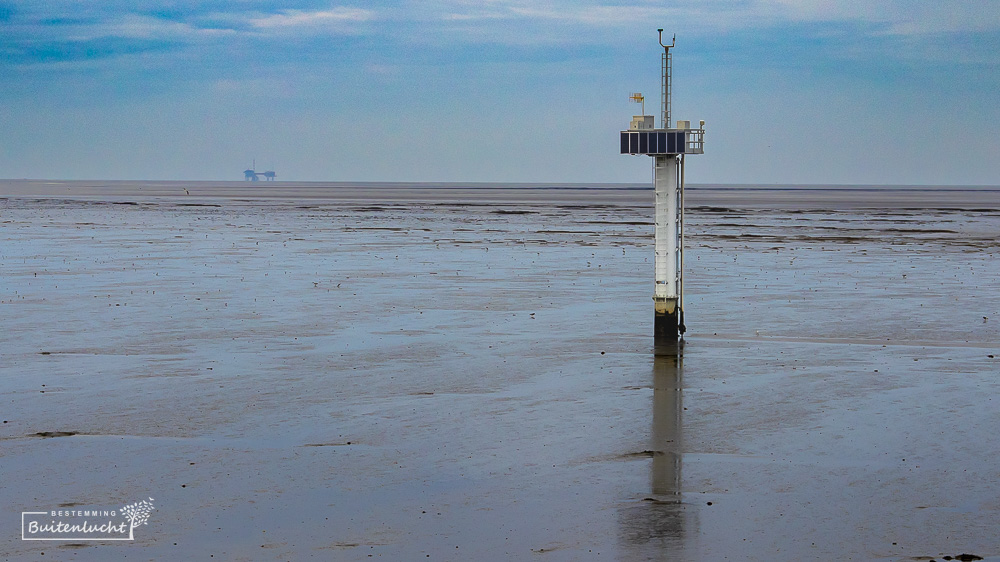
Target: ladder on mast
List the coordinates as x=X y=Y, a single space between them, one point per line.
x=665 y=68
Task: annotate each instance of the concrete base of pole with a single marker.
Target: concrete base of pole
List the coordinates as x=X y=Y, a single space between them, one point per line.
x=665 y=327
x=665 y=319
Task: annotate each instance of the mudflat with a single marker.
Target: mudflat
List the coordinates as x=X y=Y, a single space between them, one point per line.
x=401 y=371
x=831 y=197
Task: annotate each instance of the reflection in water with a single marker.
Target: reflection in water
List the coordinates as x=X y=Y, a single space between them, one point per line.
x=668 y=404
x=654 y=523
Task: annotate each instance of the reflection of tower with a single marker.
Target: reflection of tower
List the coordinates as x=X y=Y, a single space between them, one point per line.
x=668 y=147
x=667 y=437
x=657 y=525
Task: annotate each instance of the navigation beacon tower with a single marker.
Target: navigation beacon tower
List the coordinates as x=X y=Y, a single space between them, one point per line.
x=668 y=147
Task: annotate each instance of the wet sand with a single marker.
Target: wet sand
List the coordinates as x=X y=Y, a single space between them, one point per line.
x=460 y=373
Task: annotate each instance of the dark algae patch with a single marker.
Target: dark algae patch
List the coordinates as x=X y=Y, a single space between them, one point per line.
x=643 y=454
x=50 y=434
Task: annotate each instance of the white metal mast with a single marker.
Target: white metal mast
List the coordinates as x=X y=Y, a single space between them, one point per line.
x=668 y=146
x=667 y=247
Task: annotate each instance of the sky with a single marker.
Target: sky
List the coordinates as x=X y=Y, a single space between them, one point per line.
x=792 y=92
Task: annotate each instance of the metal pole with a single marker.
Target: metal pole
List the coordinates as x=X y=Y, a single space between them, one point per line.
x=665 y=246
x=680 y=258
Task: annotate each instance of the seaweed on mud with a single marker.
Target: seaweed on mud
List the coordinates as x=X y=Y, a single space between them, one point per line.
x=708 y=209
x=51 y=434
x=642 y=454
x=920 y=230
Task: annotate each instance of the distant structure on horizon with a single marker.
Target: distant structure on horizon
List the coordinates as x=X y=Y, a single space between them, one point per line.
x=253 y=175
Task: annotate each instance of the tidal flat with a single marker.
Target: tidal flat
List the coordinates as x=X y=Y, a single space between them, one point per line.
x=337 y=372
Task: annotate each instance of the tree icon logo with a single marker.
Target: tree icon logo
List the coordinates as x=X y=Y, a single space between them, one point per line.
x=137 y=514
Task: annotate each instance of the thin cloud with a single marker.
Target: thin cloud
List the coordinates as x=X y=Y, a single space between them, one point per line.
x=893 y=17
x=145 y=27
x=897 y=29
x=313 y=19
x=902 y=17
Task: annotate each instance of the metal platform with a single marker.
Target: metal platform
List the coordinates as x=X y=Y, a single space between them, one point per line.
x=663 y=141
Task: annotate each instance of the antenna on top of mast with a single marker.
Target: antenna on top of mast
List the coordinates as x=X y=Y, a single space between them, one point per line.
x=672 y=43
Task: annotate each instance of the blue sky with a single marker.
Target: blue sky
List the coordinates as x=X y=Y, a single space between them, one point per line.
x=893 y=92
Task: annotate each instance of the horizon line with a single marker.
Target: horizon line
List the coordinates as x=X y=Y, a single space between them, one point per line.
x=530 y=185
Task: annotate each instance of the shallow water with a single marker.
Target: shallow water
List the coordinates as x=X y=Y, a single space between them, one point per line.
x=313 y=379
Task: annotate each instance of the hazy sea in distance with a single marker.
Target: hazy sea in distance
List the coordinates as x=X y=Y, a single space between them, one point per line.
x=345 y=371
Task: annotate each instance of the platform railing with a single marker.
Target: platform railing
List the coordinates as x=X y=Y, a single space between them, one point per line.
x=695 y=141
